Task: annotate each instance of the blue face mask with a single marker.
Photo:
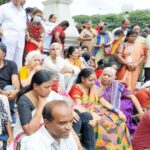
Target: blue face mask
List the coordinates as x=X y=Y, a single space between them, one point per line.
x=37 y=19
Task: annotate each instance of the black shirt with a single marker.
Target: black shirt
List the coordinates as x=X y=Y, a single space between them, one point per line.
x=6 y=72
x=25 y=109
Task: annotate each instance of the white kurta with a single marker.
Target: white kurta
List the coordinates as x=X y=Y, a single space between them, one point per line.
x=48 y=26
x=13 y=24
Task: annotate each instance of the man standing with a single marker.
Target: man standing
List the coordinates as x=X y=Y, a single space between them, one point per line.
x=56 y=133
x=124 y=27
x=12 y=30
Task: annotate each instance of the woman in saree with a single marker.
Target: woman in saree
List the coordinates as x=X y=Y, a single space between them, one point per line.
x=131 y=55
x=119 y=96
x=87 y=36
x=35 y=32
x=111 y=131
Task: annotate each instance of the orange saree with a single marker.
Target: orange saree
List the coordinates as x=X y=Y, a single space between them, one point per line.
x=131 y=56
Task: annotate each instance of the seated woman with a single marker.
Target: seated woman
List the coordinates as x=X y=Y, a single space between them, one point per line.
x=6 y=135
x=119 y=96
x=72 y=54
x=111 y=131
x=30 y=102
x=32 y=65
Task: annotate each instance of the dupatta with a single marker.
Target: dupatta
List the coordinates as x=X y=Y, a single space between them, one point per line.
x=98 y=38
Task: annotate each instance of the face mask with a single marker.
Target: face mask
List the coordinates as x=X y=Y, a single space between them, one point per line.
x=37 y=19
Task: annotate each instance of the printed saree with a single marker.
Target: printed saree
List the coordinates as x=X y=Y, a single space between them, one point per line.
x=111 y=132
x=115 y=94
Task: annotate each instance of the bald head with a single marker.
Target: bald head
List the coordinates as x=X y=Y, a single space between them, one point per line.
x=55 y=106
x=125 y=24
x=58 y=118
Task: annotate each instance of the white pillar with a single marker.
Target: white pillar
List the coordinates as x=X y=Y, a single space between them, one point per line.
x=61 y=8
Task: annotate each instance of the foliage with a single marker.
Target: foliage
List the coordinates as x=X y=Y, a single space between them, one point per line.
x=3 y=1
x=141 y=17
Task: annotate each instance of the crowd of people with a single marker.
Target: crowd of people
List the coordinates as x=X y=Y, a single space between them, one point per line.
x=94 y=95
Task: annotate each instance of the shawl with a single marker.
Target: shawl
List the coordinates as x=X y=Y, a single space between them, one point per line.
x=35 y=31
x=98 y=42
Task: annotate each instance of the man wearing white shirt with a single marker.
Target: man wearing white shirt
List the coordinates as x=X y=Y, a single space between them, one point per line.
x=12 y=30
x=124 y=27
x=56 y=133
x=54 y=62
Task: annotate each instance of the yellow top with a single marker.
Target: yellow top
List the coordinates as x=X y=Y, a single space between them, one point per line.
x=23 y=73
x=78 y=63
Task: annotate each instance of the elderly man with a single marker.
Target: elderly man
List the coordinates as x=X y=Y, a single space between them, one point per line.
x=12 y=29
x=56 y=133
x=9 y=82
x=56 y=63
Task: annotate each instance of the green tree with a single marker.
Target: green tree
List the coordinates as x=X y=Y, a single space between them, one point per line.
x=141 y=17
x=3 y=1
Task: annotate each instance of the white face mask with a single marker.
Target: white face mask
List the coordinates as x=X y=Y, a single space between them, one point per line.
x=37 y=19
